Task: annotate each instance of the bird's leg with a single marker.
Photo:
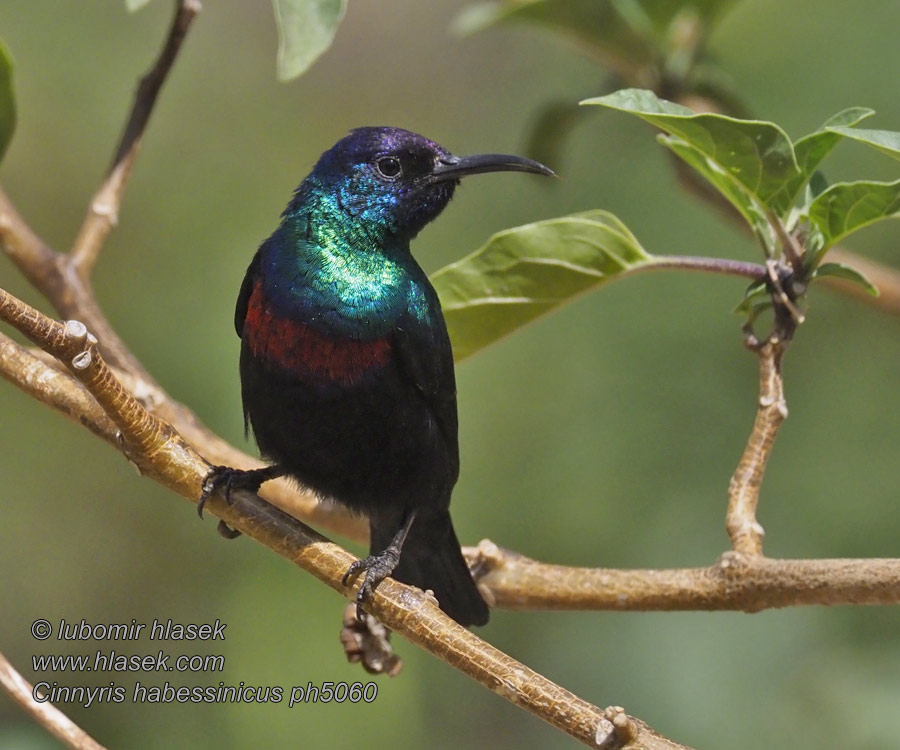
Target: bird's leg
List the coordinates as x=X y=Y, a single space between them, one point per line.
x=225 y=480
x=377 y=567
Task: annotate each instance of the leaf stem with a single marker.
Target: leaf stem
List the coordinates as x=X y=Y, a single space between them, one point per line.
x=752 y=271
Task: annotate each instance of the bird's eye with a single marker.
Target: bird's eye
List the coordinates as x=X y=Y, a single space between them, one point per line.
x=389 y=166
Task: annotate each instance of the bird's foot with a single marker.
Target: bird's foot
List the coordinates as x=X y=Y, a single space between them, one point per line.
x=377 y=568
x=224 y=480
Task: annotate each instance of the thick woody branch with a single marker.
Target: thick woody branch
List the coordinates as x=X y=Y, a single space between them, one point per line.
x=510 y=580
x=737 y=581
x=162 y=454
x=45 y=714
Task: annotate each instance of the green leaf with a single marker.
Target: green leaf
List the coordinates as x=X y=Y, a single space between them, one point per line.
x=840 y=271
x=750 y=208
x=756 y=300
x=758 y=155
x=306 y=29
x=133 y=5
x=847 y=206
x=886 y=141
x=7 y=100
x=523 y=273
x=811 y=149
x=596 y=25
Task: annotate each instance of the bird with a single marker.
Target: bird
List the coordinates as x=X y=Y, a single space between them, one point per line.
x=346 y=365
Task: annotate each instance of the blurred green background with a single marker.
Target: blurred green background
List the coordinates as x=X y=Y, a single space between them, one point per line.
x=602 y=435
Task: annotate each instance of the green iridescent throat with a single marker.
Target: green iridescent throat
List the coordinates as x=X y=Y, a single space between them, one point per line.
x=348 y=273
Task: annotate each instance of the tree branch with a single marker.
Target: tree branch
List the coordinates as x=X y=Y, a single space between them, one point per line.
x=54 y=388
x=45 y=714
x=65 y=281
x=510 y=580
x=744 y=530
x=159 y=452
x=738 y=581
x=885 y=278
x=103 y=211
x=34 y=257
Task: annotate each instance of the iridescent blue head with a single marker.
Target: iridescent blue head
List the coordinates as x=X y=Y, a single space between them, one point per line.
x=393 y=180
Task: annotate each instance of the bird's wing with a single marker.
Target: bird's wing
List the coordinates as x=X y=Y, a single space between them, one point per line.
x=426 y=358
x=243 y=300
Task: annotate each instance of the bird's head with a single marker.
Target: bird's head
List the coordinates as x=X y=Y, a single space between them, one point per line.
x=398 y=180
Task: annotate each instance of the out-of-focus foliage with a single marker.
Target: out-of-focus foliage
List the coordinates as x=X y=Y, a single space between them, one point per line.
x=7 y=100
x=627 y=34
x=658 y=44
x=603 y=434
x=306 y=29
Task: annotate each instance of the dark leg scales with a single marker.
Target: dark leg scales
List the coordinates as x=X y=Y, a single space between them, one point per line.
x=377 y=567
x=224 y=480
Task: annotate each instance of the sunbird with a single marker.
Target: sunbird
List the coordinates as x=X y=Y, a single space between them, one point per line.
x=346 y=366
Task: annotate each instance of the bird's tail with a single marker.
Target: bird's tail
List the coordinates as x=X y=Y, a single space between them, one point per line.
x=431 y=559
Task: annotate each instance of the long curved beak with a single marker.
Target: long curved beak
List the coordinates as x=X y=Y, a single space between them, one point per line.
x=454 y=167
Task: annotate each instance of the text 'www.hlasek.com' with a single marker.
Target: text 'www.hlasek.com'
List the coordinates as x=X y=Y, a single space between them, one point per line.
x=52 y=684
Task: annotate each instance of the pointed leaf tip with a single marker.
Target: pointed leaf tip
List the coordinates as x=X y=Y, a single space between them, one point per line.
x=886 y=141
x=523 y=273
x=847 y=273
x=847 y=206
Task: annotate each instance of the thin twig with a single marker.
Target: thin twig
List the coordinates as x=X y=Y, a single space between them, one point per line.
x=157 y=449
x=44 y=713
x=885 y=278
x=34 y=257
x=65 y=279
x=737 y=581
x=752 y=271
x=791 y=249
x=744 y=530
x=103 y=211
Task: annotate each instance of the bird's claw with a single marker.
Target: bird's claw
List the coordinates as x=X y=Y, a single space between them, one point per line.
x=224 y=480
x=220 y=480
x=377 y=568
